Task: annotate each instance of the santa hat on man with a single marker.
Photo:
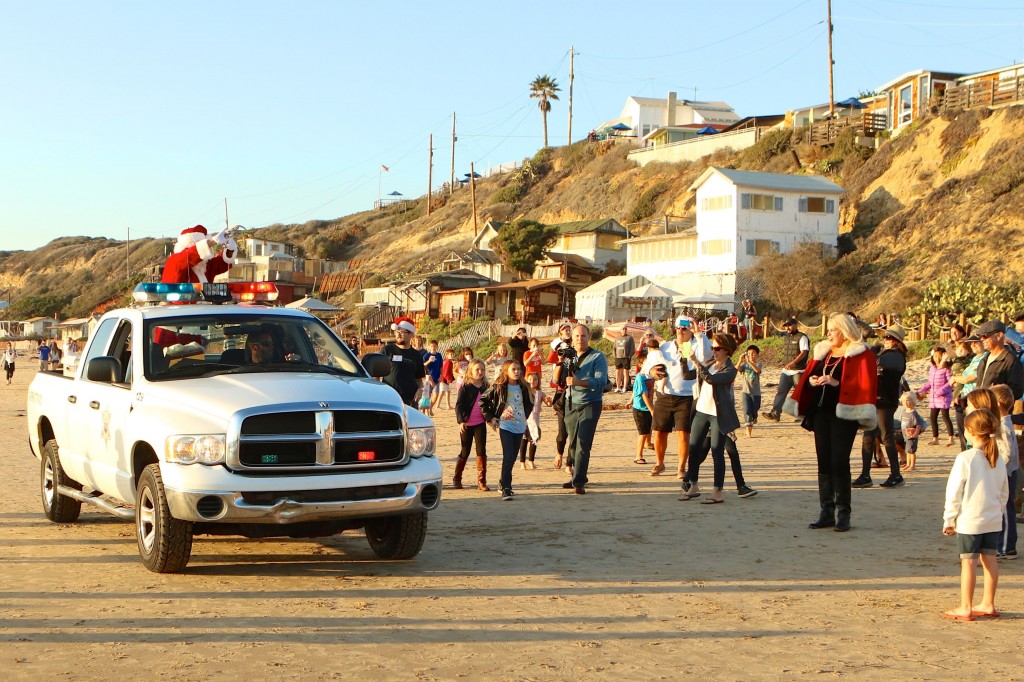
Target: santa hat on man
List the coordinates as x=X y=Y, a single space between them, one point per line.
x=190 y=236
x=403 y=323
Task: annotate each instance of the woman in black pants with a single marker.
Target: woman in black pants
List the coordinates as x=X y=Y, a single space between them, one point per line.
x=892 y=364
x=836 y=396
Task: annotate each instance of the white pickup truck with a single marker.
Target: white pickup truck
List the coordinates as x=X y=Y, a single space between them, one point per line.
x=236 y=419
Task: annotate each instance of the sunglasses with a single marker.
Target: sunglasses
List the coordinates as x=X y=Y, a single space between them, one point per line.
x=718 y=348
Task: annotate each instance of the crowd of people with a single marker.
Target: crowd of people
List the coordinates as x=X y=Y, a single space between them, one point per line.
x=838 y=389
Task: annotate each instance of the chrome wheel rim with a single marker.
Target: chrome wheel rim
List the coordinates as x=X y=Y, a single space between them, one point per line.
x=48 y=484
x=147 y=519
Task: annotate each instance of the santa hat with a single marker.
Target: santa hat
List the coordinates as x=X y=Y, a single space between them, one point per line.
x=403 y=323
x=190 y=236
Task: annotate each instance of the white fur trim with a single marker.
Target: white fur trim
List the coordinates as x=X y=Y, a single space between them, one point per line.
x=204 y=249
x=822 y=348
x=404 y=324
x=865 y=415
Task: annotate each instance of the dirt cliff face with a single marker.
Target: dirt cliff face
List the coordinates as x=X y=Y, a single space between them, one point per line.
x=943 y=197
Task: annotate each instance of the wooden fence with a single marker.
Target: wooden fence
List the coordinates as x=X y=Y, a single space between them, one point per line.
x=866 y=124
x=990 y=93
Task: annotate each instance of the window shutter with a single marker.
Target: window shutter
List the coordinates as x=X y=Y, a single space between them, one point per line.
x=803 y=205
x=775 y=247
x=745 y=200
x=830 y=205
x=751 y=247
x=778 y=203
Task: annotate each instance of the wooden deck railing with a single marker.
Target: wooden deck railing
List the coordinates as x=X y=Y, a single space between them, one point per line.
x=867 y=124
x=989 y=93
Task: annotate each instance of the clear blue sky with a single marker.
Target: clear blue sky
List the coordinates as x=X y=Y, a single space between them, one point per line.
x=141 y=115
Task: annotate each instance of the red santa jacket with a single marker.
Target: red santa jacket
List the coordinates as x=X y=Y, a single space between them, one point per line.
x=858 y=385
x=186 y=266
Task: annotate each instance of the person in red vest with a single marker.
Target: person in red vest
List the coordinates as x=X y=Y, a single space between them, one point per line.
x=195 y=257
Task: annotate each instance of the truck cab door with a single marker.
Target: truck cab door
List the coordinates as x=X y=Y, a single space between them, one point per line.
x=68 y=431
x=103 y=411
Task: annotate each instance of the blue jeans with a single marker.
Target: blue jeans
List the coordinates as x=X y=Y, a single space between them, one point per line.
x=786 y=384
x=699 y=429
x=1008 y=538
x=751 y=406
x=581 y=426
x=509 y=454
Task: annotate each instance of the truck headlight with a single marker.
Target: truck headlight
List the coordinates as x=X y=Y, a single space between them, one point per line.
x=195 y=449
x=421 y=442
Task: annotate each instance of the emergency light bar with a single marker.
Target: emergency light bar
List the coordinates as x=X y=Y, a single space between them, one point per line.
x=161 y=292
x=216 y=292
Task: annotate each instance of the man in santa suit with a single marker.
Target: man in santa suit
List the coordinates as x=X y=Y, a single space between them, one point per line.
x=195 y=258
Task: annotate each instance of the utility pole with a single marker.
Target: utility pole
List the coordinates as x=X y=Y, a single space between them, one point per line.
x=472 y=185
x=430 y=171
x=227 y=224
x=572 y=53
x=127 y=251
x=451 y=183
x=831 y=64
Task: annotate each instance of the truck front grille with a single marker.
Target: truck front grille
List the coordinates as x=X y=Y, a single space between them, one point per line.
x=321 y=441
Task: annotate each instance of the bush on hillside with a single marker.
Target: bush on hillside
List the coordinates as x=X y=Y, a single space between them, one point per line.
x=647 y=204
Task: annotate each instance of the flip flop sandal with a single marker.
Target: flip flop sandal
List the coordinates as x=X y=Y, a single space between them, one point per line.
x=956 y=616
x=983 y=614
x=711 y=500
x=688 y=496
x=640 y=461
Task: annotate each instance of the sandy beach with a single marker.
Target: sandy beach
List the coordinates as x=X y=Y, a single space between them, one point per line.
x=626 y=582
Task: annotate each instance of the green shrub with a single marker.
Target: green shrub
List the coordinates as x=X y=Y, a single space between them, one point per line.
x=646 y=205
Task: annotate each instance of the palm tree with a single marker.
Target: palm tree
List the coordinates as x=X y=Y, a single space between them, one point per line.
x=544 y=89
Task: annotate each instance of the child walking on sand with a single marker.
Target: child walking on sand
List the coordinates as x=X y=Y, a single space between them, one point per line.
x=643 y=407
x=750 y=386
x=910 y=428
x=472 y=425
x=976 y=496
x=447 y=378
x=528 y=447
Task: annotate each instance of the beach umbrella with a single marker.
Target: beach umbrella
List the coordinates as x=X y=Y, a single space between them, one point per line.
x=396 y=193
x=650 y=293
x=706 y=298
x=707 y=130
x=620 y=127
x=474 y=174
x=313 y=305
x=852 y=103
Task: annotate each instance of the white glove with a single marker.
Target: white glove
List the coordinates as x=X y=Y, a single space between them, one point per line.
x=231 y=245
x=222 y=237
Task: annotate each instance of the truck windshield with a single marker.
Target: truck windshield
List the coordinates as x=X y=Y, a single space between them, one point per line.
x=202 y=345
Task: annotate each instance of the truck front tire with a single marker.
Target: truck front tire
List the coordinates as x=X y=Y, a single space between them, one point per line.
x=165 y=543
x=397 y=537
x=58 y=508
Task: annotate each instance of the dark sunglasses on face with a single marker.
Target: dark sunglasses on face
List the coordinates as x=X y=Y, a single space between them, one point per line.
x=717 y=348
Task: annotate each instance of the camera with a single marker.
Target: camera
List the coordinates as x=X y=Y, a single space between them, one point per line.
x=568 y=355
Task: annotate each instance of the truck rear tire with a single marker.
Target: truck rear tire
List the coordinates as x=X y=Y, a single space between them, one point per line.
x=397 y=537
x=165 y=543
x=58 y=508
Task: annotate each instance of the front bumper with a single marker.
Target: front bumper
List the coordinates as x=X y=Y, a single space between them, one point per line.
x=232 y=507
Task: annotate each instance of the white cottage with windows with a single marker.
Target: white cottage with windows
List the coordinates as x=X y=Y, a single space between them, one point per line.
x=740 y=215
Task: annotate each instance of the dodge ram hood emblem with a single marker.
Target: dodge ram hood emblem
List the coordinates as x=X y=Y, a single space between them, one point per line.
x=324 y=404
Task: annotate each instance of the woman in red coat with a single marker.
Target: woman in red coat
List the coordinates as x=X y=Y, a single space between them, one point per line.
x=836 y=396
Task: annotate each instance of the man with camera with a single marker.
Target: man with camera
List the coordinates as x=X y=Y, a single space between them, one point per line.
x=673 y=405
x=586 y=375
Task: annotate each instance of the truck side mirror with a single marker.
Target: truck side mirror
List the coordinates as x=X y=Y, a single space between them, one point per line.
x=377 y=364
x=104 y=369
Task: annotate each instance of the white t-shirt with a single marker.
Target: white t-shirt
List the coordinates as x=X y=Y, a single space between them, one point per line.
x=706 y=398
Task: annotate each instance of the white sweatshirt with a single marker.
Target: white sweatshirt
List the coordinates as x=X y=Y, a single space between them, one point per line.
x=976 y=494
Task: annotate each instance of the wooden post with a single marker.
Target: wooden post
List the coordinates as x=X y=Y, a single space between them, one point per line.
x=765 y=325
x=824 y=324
x=430 y=171
x=472 y=185
x=924 y=326
x=963 y=320
x=451 y=186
